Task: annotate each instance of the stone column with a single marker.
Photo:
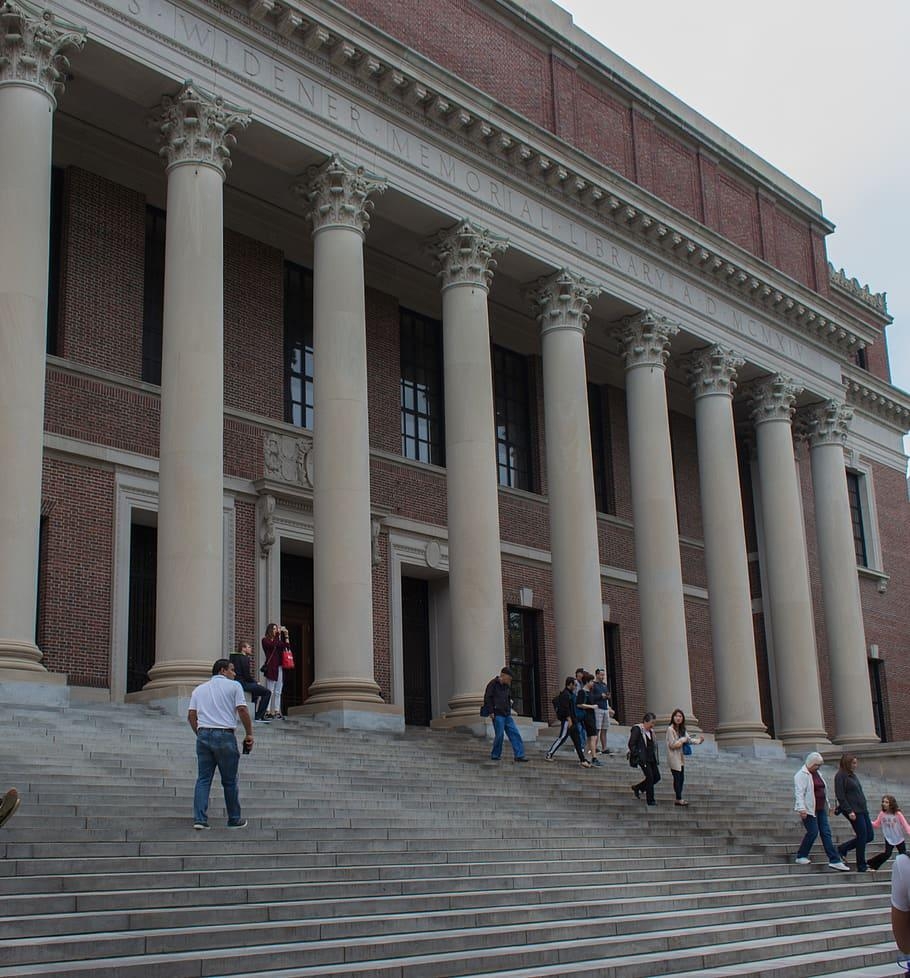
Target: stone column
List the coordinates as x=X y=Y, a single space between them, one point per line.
x=646 y=340
x=712 y=377
x=825 y=427
x=195 y=132
x=800 y=723
x=31 y=69
x=561 y=302
x=344 y=690
x=465 y=255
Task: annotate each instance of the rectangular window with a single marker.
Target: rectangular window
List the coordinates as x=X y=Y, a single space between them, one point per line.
x=877 y=685
x=41 y=603
x=55 y=262
x=860 y=358
x=422 y=429
x=153 y=303
x=601 y=449
x=856 y=515
x=513 y=418
x=524 y=662
x=298 y=345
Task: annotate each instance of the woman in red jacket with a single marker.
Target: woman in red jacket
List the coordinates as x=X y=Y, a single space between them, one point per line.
x=274 y=643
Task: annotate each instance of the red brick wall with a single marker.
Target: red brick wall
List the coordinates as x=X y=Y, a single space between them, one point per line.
x=382 y=650
x=737 y=213
x=794 y=248
x=676 y=174
x=384 y=381
x=604 y=127
x=246 y=553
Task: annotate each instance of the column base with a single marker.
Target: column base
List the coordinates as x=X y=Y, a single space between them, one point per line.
x=28 y=687
x=180 y=673
x=855 y=740
x=804 y=741
x=172 y=698
x=752 y=746
x=21 y=657
x=353 y=714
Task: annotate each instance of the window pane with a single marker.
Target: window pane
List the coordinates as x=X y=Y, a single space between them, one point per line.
x=421 y=388
x=298 y=345
x=513 y=418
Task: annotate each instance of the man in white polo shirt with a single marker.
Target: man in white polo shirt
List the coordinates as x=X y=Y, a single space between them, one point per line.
x=900 y=902
x=213 y=712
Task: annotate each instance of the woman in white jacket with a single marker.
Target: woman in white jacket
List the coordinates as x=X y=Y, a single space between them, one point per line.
x=812 y=807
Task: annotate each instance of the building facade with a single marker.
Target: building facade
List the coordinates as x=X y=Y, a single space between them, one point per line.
x=446 y=338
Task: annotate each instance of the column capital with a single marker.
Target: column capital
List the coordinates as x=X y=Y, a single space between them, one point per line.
x=338 y=195
x=825 y=423
x=194 y=126
x=32 y=42
x=772 y=398
x=645 y=339
x=464 y=254
x=712 y=370
x=561 y=301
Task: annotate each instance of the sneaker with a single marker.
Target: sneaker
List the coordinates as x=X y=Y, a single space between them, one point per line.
x=549 y=757
x=521 y=760
x=585 y=763
x=802 y=861
x=201 y=826
x=596 y=762
x=242 y=824
x=840 y=866
x=8 y=805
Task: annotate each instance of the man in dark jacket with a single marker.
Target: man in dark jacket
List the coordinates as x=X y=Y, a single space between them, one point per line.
x=497 y=702
x=242 y=661
x=643 y=754
x=564 y=704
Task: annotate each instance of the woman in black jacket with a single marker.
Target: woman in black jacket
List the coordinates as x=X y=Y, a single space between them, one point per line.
x=851 y=803
x=643 y=754
x=564 y=705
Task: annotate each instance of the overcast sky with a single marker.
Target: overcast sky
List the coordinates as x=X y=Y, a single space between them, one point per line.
x=818 y=88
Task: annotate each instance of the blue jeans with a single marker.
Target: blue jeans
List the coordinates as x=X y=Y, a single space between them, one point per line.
x=863 y=834
x=216 y=748
x=816 y=825
x=506 y=725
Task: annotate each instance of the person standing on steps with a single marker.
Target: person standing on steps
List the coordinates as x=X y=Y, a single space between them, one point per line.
x=214 y=709
x=643 y=755
x=274 y=643
x=677 y=741
x=564 y=704
x=894 y=828
x=851 y=803
x=497 y=702
x=812 y=807
x=585 y=708
x=603 y=714
x=242 y=660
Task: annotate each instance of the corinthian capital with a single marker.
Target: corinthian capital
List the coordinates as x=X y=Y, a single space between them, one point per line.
x=561 y=301
x=338 y=195
x=465 y=253
x=32 y=43
x=826 y=423
x=772 y=398
x=712 y=370
x=195 y=127
x=646 y=339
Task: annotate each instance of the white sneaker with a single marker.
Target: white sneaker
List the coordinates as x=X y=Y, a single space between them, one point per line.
x=841 y=866
x=803 y=860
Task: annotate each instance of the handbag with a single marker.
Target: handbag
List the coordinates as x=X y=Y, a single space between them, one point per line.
x=287 y=659
x=687 y=749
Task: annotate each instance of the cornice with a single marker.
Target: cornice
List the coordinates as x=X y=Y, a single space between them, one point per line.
x=878 y=398
x=484 y=127
x=861 y=293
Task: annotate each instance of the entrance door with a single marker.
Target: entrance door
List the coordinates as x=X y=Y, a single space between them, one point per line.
x=614 y=669
x=297 y=617
x=140 y=646
x=523 y=661
x=415 y=615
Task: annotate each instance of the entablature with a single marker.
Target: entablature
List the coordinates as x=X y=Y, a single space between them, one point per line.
x=878 y=398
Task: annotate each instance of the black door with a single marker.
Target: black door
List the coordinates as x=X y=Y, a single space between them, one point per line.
x=523 y=661
x=140 y=649
x=877 y=683
x=614 y=669
x=297 y=617
x=415 y=614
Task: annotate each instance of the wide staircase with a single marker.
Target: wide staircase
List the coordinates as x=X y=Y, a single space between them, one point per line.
x=407 y=857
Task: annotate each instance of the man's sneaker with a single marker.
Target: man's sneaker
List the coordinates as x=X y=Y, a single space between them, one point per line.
x=242 y=824
x=596 y=762
x=201 y=826
x=521 y=760
x=840 y=866
x=549 y=757
x=802 y=860
x=585 y=763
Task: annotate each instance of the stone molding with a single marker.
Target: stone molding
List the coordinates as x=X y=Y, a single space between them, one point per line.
x=265 y=511
x=645 y=340
x=712 y=370
x=288 y=459
x=338 y=195
x=464 y=255
x=825 y=423
x=195 y=127
x=877 y=397
x=562 y=301
x=32 y=42
x=772 y=399
x=862 y=293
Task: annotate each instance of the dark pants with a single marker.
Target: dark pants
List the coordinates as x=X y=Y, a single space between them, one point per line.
x=261 y=697
x=876 y=862
x=565 y=732
x=816 y=825
x=679 y=778
x=863 y=834
x=651 y=777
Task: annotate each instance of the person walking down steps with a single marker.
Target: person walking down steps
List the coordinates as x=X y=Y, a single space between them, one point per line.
x=564 y=704
x=497 y=705
x=811 y=805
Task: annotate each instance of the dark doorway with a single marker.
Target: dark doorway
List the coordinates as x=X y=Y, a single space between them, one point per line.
x=877 y=683
x=415 y=628
x=140 y=648
x=297 y=617
x=523 y=661
x=614 y=669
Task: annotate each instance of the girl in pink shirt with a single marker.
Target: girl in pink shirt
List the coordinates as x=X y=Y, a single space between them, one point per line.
x=894 y=827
